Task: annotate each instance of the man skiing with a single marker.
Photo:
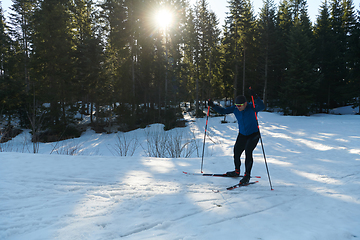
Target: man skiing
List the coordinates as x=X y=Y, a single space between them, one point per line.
x=249 y=134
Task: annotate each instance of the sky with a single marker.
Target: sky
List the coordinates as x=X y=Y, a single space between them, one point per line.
x=220 y=7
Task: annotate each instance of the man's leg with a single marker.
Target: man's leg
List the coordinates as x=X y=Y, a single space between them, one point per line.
x=239 y=147
x=250 y=145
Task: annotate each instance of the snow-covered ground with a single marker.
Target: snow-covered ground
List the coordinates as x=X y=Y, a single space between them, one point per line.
x=314 y=164
x=348 y=110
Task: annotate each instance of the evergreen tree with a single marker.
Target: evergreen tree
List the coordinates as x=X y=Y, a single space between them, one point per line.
x=281 y=58
x=324 y=55
x=247 y=37
x=134 y=31
x=349 y=25
x=300 y=85
x=186 y=70
x=53 y=58
x=239 y=40
x=355 y=71
x=354 y=64
x=267 y=48
x=148 y=89
x=205 y=48
x=22 y=12
x=116 y=66
x=174 y=39
x=231 y=43
x=189 y=56
x=11 y=84
x=202 y=49
x=215 y=58
x=338 y=64
x=88 y=52
x=227 y=64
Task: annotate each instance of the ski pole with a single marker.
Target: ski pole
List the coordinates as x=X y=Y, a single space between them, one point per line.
x=202 y=158
x=262 y=145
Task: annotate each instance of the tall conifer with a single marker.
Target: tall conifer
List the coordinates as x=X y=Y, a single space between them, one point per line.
x=300 y=84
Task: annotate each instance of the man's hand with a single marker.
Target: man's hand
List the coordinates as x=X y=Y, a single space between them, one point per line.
x=210 y=103
x=253 y=93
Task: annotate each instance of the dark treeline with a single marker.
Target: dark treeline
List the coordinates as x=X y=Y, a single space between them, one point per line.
x=111 y=58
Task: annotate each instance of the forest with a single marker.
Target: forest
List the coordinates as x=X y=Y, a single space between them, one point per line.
x=131 y=63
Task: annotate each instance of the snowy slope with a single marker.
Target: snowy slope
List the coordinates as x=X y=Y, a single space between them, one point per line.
x=314 y=164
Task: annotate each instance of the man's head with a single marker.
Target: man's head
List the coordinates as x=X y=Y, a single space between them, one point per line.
x=241 y=102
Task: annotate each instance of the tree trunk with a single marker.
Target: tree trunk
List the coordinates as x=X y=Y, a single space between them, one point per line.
x=244 y=66
x=266 y=76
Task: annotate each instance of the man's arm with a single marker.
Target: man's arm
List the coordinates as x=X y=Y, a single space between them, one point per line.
x=221 y=110
x=259 y=104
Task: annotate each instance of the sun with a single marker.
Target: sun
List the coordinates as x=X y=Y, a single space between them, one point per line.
x=163 y=18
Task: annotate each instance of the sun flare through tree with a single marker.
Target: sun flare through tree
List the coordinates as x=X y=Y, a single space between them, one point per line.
x=163 y=18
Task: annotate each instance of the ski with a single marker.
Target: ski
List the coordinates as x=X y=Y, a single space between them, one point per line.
x=215 y=175
x=235 y=186
x=240 y=185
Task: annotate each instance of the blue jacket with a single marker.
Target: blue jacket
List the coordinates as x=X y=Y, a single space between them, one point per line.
x=246 y=119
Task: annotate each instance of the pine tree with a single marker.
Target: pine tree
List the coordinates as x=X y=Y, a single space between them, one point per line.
x=148 y=89
x=231 y=43
x=247 y=36
x=116 y=66
x=21 y=15
x=227 y=63
x=215 y=57
x=349 y=25
x=267 y=48
x=239 y=40
x=283 y=26
x=338 y=64
x=189 y=52
x=206 y=40
x=186 y=39
x=324 y=55
x=174 y=40
x=88 y=51
x=301 y=83
x=11 y=84
x=202 y=49
x=53 y=57
x=4 y=47
x=354 y=64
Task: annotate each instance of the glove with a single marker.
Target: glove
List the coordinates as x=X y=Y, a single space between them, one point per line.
x=253 y=93
x=210 y=103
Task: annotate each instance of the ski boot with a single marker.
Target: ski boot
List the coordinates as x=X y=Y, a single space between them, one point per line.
x=235 y=173
x=245 y=179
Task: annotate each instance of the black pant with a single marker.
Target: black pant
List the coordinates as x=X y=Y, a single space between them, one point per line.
x=247 y=143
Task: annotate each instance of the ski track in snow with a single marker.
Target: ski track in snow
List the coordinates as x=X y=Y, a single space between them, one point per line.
x=314 y=167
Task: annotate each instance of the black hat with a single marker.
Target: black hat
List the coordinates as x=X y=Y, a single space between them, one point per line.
x=240 y=100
